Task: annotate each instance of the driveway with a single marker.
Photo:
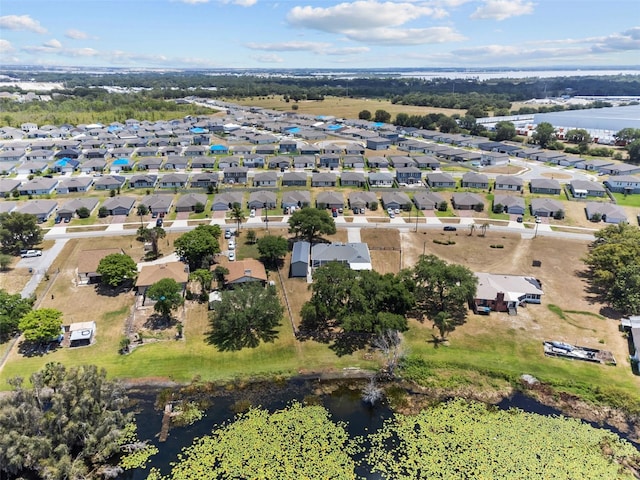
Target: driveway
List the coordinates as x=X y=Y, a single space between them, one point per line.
x=39 y=266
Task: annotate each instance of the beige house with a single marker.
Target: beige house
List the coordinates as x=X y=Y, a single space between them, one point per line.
x=151 y=274
x=88 y=261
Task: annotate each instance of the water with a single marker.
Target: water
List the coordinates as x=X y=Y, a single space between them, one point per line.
x=344 y=404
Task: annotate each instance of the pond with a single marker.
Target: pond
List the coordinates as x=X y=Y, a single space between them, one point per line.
x=344 y=404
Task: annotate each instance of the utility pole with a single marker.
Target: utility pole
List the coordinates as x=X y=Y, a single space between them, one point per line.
x=266 y=215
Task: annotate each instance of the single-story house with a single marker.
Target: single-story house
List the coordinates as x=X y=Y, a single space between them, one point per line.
x=88 y=261
x=231 y=161
x=330 y=200
x=8 y=185
x=27 y=168
x=427 y=161
x=296 y=198
x=440 y=180
x=174 y=180
x=203 y=162
x=353 y=179
x=38 y=186
x=323 y=180
x=188 y=202
x=475 y=180
x=401 y=162
x=586 y=188
x=545 y=207
x=262 y=199
x=396 y=200
x=504 y=293
x=294 y=179
x=157 y=203
x=119 y=205
x=594 y=164
x=253 y=160
x=70 y=207
x=195 y=151
x=512 y=204
x=41 y=209
x=225 y=201
x=608 y=212
x=244 y=271
x=11 y=155
x=377 y=162
x=304 y=161
x=300 y=259
x=628 y=184
x=353 y=161
x=176 y=162
x=381 y=179
x=493 y=158
x=632 y=326
x=378 y=143
x=150 y=274
x=547 y=186
x=143 y=181
x=204 y=180
x=74 y=184
x=508 y=182
x=466 y=201
x=427 y=200
x=93 y=165
x=109 y=182
x=150 y=163
x=355 y=255
x=265 y=179
x=362 y=199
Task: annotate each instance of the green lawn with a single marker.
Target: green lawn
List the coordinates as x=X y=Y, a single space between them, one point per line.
x=628 y=200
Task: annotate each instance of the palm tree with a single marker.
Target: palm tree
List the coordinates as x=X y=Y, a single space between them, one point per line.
x=238 y=215
x=483 y=228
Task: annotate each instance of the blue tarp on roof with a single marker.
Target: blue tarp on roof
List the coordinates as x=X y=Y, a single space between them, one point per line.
x=62 y=162
x=378 y=124
x=335 y=127
x=113 y=128
x=121 y=161
x=293 y=130
x=197 y=130
x=218 y=148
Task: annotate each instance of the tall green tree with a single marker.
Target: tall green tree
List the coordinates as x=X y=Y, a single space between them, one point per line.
x=204 y=277
x=505 y=131
x=167 y=295
x=67 y=425
x=19 y=231
x=153 y=236
x=12 y=309
x=237 y=215
x=117 y=268
x=544 y=134
x=309 y=222
x=448 y=125
x=246 y=316
x=627 y=135
x=364 y=115
x=272 y=249
x=442 y=287
x=633 y=149
x=41 y=325
x=199 y=246
x=382 y=116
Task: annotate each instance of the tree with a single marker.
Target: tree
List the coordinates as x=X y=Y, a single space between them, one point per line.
x=382 y=116
x=19 y=231
x=633 y=149
x=103 y=212
x=204 y=277
x=12 y=309
x=251 y=237
x=627 y=135
x=198 y=246
x=364 y=115
x=70 y=423
x=611 y=259
x=5 y=261
x=544 y=134
x=117 y=268
x=309 y=222
x=83 y=212
x=41 y=325
x=199 y=207
x=141 y=211
x=625 y=291
x=580 y=137
x=246 y=316
x=218 y=273
x=153 y=236
x=505 y=131
x=448 y=125
x=444 y=323
x=237 y=214
x=272 y=248
x=442 y=287
x=167 y=293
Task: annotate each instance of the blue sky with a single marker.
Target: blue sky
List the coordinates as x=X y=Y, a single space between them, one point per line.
x=320 y=34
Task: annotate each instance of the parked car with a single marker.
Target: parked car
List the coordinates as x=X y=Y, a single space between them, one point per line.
x=538 y=219
x=252 y=213
x=232 y=245
x=362 y=210
x=67 y=219
x=159 y=222
x=334 y=214
x=232 y=256
x=227 y=233
x=30 y=253
x=450 y=228
x=519 y=219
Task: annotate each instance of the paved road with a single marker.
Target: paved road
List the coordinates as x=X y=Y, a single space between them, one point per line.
x=39 y=266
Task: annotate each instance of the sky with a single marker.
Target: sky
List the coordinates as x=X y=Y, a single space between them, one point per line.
x=287 y=34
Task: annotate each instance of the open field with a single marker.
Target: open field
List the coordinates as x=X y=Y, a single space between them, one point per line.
x=500 y=344
x=342 y=107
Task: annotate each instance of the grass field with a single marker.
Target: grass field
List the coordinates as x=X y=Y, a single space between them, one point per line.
x=486 y=347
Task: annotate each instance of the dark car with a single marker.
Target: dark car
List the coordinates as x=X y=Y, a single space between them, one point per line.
x=519 y=219
x=449 y=228
x=159 y=222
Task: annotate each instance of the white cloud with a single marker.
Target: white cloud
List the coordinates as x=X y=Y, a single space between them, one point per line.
x=360 y=15
x=502 y=9
x=76 y=34
x=6 y=47
x=628 y=40
x=21 y=22
x=289 y=46
x=406 y=36
x=244 y=3
x=270 y=58
x=347 y=51
x=193 y=2
x=53 y=43
x=241 y=3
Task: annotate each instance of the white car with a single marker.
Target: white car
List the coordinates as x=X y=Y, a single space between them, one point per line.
x=252 y=213
x=232 y=256
x=31 y=253
x=232 y=246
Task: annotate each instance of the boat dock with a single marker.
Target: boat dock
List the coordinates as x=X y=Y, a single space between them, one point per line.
x=576 y=352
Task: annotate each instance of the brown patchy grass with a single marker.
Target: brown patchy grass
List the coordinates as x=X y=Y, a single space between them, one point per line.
x=342 y=106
